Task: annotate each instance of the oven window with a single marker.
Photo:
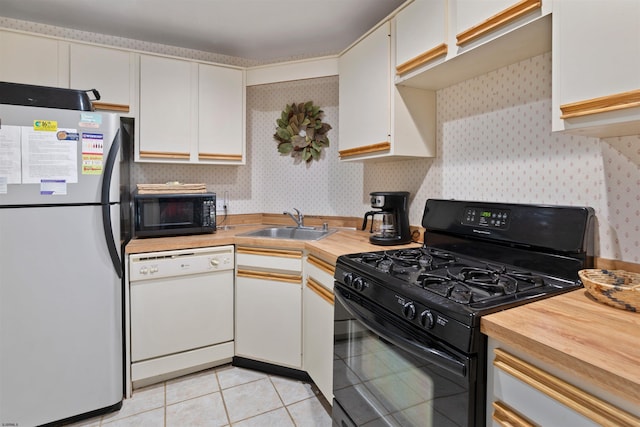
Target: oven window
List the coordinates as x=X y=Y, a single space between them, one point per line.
x=378 y=383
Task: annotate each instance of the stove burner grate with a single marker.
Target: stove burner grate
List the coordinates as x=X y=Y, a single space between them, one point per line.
x=463 y=281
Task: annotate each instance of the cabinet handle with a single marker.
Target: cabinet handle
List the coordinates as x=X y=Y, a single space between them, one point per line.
x=283 y=253
x=498 y=20
x=421 y=59
x=365 y=149
x=322 y=265
x=320 y=290
x=263 y=275
x=571 y=396
x=618 y=101
x=164 y=155
x=505 y=416
x=214 y=156
x=111 y=107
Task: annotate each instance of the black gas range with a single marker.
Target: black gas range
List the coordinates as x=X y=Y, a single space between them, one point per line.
x=425 y=303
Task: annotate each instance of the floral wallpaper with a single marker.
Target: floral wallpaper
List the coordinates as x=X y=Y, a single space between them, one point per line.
x=494 y=143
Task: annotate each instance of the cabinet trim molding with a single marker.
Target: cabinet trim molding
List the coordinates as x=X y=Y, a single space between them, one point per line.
x=422 y=59
x=320 y=290
x=322 y=265
x=164 y=155
x=603 y=104
x=506 y=416
x=215 y=156
x=263 y=275
x=500 y=19
x=283 y=253
x=365 y=149
x=569 y=395
x=110 y=106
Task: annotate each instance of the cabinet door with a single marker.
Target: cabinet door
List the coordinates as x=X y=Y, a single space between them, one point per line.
x=221 y=103
x=107 y=70
x=365 y=94
x=318 y=335
x=165 y=108
x=33 y=60
x=476 y=19
x=269 y=320
x=420 y=34
x=596 y=65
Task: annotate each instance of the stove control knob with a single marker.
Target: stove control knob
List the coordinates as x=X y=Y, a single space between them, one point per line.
x=348 y=279
x=409 y=310
x=426 y=319
x=358 y=284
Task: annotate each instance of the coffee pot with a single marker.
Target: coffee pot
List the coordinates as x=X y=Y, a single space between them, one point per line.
x=390 y=224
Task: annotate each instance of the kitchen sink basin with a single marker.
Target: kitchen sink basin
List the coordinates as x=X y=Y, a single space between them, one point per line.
x=295 y=233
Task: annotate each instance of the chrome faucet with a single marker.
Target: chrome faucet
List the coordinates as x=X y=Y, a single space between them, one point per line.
x=299 y=218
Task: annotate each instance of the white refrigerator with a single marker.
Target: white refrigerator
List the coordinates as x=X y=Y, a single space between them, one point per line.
x=61 y=310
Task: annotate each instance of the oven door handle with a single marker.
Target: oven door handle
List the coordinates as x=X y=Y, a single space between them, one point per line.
x=395 y=335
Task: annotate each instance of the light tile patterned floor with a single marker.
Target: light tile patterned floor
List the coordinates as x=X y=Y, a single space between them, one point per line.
x=224 y=396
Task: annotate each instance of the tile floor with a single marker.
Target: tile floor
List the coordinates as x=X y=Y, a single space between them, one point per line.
x=224 y=396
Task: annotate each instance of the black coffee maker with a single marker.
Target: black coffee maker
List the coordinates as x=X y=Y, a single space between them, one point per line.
x=390 y=224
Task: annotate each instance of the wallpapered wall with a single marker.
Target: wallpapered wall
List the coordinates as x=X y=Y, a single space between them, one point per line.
x=494 y=144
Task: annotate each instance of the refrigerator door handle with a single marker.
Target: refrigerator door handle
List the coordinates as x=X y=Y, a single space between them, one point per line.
x=106 y=203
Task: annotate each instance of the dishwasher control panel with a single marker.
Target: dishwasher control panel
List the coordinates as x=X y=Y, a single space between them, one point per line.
x=155 y=265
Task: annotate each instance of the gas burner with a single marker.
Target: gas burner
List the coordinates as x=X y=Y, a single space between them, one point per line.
x=453 y=289
x=526 y=279
x=371 y=257
x=489 y=280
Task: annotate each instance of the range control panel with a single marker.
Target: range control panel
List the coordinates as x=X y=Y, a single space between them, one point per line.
x=481 y=217
x=155 y=265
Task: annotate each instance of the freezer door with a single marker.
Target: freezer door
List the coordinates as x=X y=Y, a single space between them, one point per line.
x=60 y=315
x=94 y=132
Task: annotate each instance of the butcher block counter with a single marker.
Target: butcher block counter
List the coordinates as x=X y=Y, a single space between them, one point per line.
x=344 y=241
x=574 y=334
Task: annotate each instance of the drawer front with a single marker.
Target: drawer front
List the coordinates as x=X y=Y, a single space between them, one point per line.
x=268 y=259
x=321 y=271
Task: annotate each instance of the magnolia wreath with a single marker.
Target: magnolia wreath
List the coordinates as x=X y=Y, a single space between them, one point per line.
x=301 y=132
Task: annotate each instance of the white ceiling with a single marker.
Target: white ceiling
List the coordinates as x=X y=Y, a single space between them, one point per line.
x=253 y=29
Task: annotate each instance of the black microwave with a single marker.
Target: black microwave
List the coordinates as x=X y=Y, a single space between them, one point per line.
x=174 y=214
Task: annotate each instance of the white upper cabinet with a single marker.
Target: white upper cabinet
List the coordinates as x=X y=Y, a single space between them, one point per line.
x=365 y=92
x=191 y=112
x=166 y=108
x=481 y=36
x=108 y=70
x=221 y=114
x=33 y=60
x=596 y=67
x=377 y=119
x=421 y=34
x=472 y=18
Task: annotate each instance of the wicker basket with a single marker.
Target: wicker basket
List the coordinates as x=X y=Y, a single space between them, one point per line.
x=617 y=288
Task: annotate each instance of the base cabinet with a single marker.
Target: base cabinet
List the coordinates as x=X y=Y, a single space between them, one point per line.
x=521 y=393
x=269 y=306
x=317 y=324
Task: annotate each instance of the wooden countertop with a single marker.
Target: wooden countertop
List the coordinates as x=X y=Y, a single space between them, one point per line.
x=344 y=241
x=578 y=335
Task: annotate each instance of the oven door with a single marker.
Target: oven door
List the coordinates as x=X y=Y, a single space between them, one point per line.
x=390 y=374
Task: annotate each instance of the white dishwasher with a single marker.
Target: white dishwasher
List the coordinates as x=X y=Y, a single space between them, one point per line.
x=181 y=311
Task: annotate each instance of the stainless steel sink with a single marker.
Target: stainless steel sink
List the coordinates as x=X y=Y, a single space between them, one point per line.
x=295 y=233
